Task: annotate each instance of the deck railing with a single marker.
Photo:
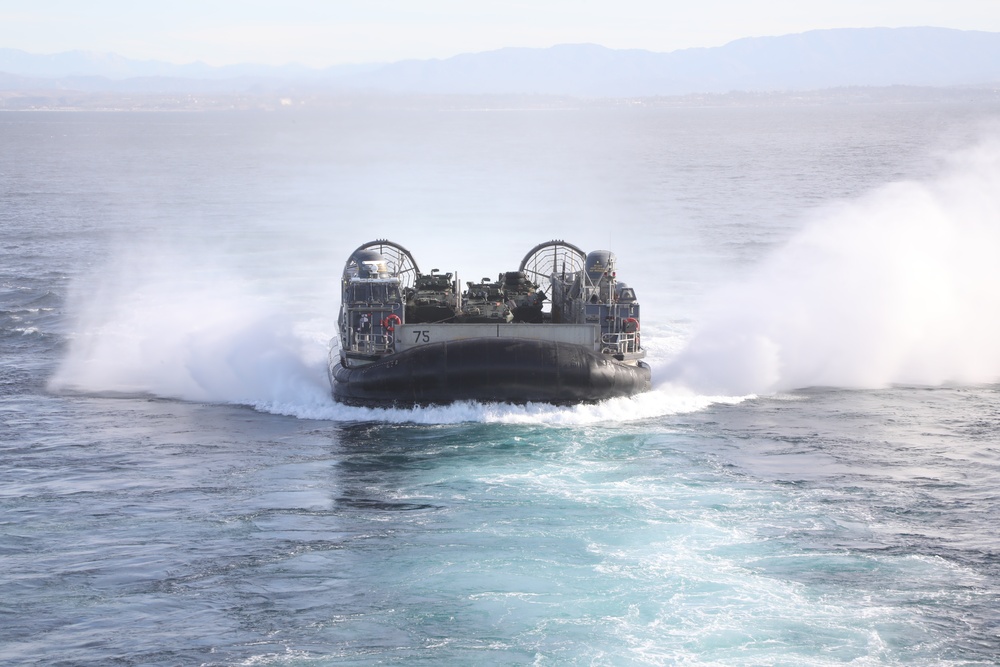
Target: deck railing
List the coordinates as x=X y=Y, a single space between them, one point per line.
x=369 y=343
x=620 y=342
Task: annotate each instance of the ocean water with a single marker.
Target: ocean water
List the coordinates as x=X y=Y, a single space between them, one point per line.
x=814 y=479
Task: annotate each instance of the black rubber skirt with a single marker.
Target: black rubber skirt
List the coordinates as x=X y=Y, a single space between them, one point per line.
x=507 y=370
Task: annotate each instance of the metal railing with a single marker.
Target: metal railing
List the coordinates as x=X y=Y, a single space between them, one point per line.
x=369 y=343
x=620 y=342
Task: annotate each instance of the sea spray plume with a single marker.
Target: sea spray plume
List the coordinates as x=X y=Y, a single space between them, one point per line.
x=901 y=286
x=167 y=324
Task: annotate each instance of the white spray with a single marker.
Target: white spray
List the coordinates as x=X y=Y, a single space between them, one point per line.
x=177 y=325
x=899 y=287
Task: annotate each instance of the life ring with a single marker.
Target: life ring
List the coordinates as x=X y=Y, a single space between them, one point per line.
x=389 y=319
x=630 y=325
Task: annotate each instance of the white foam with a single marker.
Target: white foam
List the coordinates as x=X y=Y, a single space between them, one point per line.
x=657 y=403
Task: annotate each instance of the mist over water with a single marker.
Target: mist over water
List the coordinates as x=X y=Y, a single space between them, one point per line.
x=896 y=287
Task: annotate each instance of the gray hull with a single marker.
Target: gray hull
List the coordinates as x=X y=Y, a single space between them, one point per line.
x=506 y=370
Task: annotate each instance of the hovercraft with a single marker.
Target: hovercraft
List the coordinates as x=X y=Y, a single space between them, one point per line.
x=408 y=338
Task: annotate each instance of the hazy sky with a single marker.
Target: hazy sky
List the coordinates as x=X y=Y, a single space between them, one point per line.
x=329 y=32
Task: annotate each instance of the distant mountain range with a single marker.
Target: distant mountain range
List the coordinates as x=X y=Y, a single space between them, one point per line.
x=808 y=61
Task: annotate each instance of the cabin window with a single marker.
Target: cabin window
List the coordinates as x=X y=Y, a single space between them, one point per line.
x=374 y=293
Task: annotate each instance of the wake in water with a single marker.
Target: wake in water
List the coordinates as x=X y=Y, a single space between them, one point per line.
x=900 y=287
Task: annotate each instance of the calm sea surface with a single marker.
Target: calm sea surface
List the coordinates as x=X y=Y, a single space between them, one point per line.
x=814 y=480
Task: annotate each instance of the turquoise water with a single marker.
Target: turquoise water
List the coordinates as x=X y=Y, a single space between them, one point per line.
x=179 y=488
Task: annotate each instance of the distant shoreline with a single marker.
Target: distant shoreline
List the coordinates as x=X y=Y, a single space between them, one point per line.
x=63 y=100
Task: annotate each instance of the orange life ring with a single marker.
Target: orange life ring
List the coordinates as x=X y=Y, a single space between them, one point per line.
x=387 y=322
x=630 y=320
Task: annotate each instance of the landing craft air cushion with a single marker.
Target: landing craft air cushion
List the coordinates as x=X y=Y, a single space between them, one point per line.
x=408 y=338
